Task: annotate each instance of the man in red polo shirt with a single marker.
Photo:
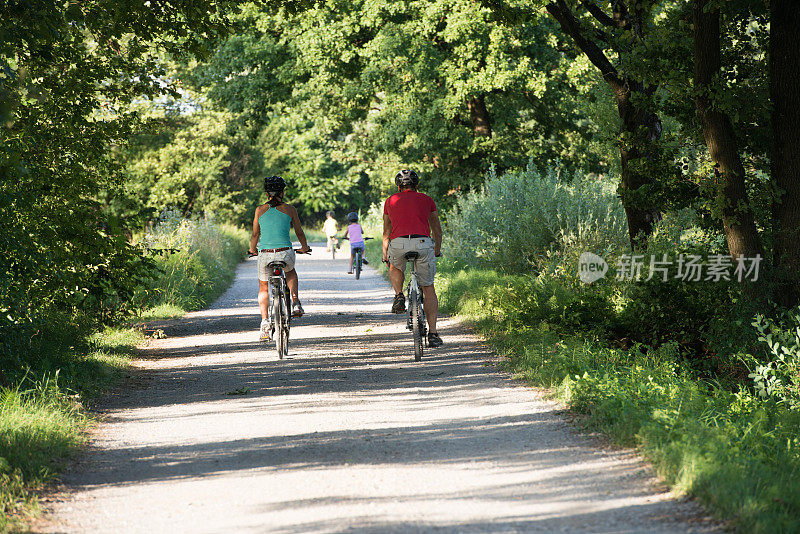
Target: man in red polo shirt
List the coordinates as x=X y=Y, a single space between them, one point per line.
x=411 y=222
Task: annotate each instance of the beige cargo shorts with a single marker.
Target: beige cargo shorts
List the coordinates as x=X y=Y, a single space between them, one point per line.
x=426 y=264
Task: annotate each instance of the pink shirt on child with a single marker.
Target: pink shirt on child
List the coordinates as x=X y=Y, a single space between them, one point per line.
x=354 y=234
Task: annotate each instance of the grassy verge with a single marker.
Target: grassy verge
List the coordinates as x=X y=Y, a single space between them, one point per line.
x=44 y=416
x=737 y=454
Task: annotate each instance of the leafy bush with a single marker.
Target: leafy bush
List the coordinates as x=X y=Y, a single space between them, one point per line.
x=523 y=219
x=778 y=377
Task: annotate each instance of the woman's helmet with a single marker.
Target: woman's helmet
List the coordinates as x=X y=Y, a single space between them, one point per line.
x=274 y=184
x=352 y=216
x=406 y=178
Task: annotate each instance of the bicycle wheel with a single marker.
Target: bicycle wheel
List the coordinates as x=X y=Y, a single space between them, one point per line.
x=287 y=313
x=358 y=264
x=415 y=310
x=333 y=249
x=278 y=319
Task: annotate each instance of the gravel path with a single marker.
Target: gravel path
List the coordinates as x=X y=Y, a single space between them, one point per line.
x=348 y=434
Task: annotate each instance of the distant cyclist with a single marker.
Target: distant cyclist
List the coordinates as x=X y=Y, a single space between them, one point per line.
x=356 y=236
x=409 y=220
x=330 y=228
x=271 y=241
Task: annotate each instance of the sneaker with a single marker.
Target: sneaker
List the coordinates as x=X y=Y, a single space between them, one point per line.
x=265 y=332
x=364 y=261
x=297 y=309
x=434 y=340
x=399 y=304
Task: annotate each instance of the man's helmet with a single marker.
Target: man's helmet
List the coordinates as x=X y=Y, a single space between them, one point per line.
x=406 y=178
x=352 y=216
x=328 y=214
x=274 y=184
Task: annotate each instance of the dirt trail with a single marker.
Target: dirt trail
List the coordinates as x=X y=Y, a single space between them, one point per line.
x=348 y=434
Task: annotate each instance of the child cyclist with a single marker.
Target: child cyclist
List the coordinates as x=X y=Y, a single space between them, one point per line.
x=356 y=236
x=331 y=229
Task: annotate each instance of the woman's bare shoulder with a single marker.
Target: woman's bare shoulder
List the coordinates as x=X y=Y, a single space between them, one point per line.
x=288 y=209
x=261 y=209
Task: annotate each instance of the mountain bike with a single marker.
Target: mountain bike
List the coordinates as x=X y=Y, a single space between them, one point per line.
x=415 y=319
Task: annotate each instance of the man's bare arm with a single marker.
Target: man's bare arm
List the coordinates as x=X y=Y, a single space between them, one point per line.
x=387 y=231
x=436 y=231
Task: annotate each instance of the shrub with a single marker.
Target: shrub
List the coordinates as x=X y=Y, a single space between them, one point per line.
x=524 y=219
x=779 y=376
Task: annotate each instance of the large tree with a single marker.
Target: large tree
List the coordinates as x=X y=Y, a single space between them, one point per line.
x=718 y=131
x=601 y=35
x=785 y=98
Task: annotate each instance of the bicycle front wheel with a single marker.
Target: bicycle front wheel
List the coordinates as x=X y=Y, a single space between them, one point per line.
x=415 y=310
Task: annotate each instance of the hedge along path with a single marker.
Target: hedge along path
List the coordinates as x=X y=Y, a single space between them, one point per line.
x=215 y=434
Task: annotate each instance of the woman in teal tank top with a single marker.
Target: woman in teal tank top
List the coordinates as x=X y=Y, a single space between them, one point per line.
x=271 y=241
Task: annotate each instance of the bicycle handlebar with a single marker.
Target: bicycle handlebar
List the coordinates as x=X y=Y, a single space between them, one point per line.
x=297 y=250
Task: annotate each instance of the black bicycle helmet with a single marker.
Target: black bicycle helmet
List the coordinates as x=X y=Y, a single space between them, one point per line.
x=274 y=184
x=406 y=178
x=352 y=217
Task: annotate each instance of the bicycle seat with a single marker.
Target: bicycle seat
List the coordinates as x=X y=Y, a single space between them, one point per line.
x=276 y=264
x=413 y=255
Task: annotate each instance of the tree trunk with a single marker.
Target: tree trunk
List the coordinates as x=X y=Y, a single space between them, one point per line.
x=737 y=217
x=641 y=127
x=479 y=115
x=785 y=96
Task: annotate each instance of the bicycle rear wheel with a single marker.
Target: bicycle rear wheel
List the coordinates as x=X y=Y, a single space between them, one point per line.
x=358 y=264
x=334 y=244
x=415 y=310
x=278 y=319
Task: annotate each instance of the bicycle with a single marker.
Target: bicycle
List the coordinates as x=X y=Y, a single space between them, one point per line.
x=334 y=245
x=280 y=306
x=415 y=319
x=358 y=259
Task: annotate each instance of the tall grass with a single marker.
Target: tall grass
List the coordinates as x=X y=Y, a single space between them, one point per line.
x=203 y=266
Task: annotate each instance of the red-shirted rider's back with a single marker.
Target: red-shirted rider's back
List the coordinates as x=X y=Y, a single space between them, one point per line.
x=409 y=212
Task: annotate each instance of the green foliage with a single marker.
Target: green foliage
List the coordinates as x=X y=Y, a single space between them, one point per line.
x=779 y=377
x=534 y=220
x=198 y=163
x=68 y=75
